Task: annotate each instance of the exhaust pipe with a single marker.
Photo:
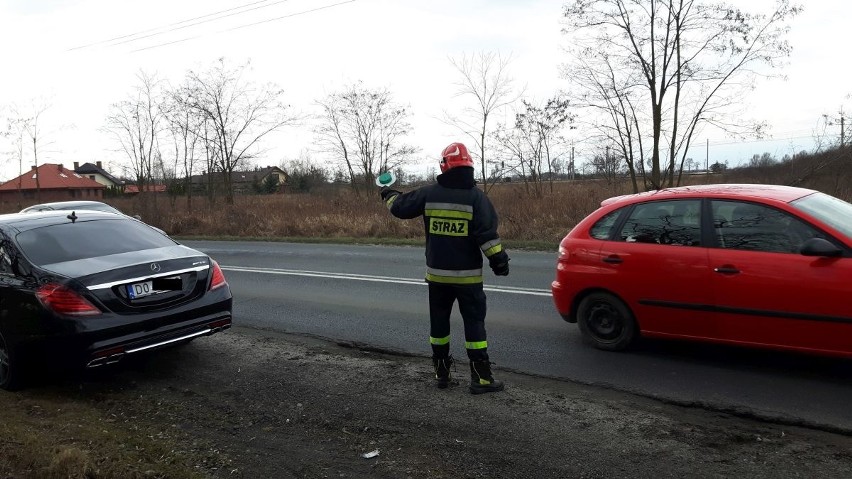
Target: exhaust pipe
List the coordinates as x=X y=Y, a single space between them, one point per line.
x=219 y=328
x=116 y=353
x=105 y=360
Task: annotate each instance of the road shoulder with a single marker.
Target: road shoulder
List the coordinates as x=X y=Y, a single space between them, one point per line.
x=256 y=403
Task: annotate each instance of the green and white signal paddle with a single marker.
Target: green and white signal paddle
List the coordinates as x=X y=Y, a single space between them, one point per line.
x=386 y=179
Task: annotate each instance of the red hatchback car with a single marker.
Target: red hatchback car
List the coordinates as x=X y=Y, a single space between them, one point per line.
x=758 y=265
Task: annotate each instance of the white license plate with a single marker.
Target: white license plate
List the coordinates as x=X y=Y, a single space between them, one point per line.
x=138 y=290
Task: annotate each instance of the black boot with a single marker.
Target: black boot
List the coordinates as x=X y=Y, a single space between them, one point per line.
x=481 y=380
x=442 y=370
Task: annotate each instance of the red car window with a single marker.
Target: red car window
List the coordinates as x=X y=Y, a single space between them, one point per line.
x=664 y=222
x=753 y=227
x=602 y=229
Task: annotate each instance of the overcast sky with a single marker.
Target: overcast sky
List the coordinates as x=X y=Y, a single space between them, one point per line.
x=79 y=57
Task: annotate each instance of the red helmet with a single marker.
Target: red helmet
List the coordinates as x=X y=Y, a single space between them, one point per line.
x=455 y=155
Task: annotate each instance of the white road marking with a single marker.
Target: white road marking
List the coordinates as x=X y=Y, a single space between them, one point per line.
x=377 y=279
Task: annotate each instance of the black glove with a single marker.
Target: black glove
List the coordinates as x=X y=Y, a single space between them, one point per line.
x=386 y=191
x=500 y=264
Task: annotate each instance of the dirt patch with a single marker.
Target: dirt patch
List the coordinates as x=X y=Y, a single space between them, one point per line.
x=252 y=404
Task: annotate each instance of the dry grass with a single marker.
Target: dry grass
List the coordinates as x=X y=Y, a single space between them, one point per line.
x=276 y=216
x=547 y=218
x=44 y=437
x=525 y=219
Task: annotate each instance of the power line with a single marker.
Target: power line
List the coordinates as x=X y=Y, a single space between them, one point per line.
x=230 y=12
x=182 y=27
x=201 y=23
x=290 y=15
x=763 y=140
x=247 y=25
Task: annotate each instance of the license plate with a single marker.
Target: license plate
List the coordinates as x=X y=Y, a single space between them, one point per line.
x=138 y=290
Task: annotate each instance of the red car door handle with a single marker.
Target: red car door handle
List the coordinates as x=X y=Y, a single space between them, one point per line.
x=612 y=259
x=726 y=270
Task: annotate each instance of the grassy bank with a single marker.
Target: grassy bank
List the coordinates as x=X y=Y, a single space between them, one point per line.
x=43 y=436
x=526 y=221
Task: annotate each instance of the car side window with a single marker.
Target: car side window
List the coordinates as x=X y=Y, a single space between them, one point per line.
x=676 y=222
x=603 y=227
x=754 y=227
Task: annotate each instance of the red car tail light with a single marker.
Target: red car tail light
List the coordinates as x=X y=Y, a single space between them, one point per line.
x=64 y=300
x=218 y=278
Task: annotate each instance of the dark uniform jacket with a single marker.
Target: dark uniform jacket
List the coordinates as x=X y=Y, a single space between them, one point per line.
x=460 y=223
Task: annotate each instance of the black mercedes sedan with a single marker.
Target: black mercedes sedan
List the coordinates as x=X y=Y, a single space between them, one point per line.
x=89 y=288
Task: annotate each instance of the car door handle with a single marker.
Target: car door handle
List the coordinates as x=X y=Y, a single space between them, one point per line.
x=613 y=259
x=726 y=270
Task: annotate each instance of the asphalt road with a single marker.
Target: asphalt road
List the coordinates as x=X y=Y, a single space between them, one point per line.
x=375 y=296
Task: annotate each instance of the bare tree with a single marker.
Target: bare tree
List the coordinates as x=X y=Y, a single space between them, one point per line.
x=765 y=160
x=514 y=154
x=239 y=114
x=211 y=158
x=136 y=123
x=612 y=99
x=539 y=126
x=607 y=165
x=687 y=61
x=303 y=175
x=363 y=129
x=29 y=123
x=16 y=131
x=187 y=133
x=485 y=79
x=821 y=137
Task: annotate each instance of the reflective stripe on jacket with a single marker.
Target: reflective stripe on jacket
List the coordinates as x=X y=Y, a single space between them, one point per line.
x=460 y=225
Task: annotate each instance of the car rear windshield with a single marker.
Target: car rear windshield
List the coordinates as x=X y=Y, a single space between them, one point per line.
x=88 y=239
x=828 y=209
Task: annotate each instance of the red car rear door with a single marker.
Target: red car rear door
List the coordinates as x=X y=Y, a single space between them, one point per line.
x=659 y=267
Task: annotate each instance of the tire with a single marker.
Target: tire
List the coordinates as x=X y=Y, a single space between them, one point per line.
x=11 y=377
x=606 y=322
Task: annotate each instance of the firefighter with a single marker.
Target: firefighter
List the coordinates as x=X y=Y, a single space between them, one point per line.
x=461 y=226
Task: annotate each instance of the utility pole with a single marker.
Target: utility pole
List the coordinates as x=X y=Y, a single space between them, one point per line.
x=572 y=127
x=707 y=158
x=572 y=161
x=842 y=121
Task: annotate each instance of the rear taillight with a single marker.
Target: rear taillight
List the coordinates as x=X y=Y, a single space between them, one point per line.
x=218 y=279
x=64 y=300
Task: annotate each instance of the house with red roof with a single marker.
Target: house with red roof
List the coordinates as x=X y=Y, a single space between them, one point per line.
x=50 y=182
x=132 y=189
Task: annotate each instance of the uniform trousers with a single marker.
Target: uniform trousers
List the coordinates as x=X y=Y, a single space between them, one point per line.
x=471 y=300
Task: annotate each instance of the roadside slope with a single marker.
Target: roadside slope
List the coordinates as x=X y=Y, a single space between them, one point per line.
x=251 y=403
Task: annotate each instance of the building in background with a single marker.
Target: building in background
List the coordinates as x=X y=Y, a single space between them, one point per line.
x=95 y=171
x=270 y=179
x=50 y=182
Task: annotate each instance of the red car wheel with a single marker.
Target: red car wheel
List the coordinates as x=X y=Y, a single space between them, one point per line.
x=606 y=322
